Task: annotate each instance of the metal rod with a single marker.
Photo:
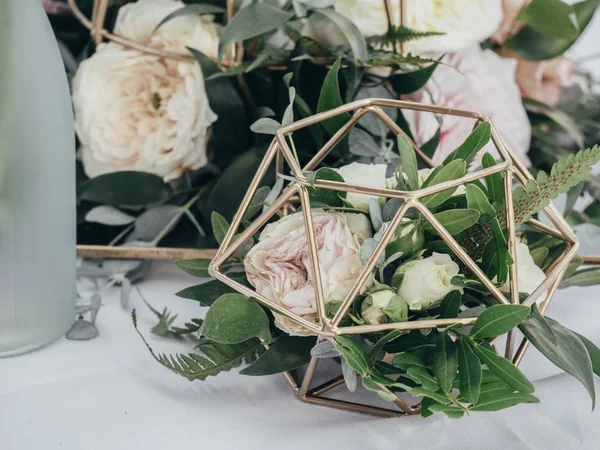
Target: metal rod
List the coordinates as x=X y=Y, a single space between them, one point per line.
x=165 y=253
x=512 y=249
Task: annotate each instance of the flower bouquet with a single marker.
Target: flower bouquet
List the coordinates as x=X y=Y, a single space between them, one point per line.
x=407 y=276
x=177 y=129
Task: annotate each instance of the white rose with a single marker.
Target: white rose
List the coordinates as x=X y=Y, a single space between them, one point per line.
x=135 y=111
x=529 y=275
x=464 y=22
x=383 y=306
x=370 y=175
x=424 y=283
x=279 y=266
x=138 y=21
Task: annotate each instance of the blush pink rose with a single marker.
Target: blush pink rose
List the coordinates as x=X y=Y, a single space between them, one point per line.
x=544 y=80
x=279 y=266
x=477 y=80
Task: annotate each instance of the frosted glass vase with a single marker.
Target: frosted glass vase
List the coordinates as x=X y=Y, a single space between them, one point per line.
x=37 y=183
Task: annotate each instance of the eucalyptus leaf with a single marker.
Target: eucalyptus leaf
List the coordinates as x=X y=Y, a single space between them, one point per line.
x=273 y=193
x=324 y=349
x=362 y=144
x=585 y=277
x=115 y=189
x=156 y=221
x=285 y=354
x=251 y=21
x=367 y=249
x=350 y=376
x=108 y=215
x=265 y=125
x=375 y=214
x=234 y=318
x=288 y=114
x=198 y=9
x=353 y=36
x=206 y=293
x=257 y=202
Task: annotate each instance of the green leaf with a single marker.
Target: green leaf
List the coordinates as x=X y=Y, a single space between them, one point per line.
x=423 y=376
x=530 y=43
x=257 y=202
x=199 y=9
x=331 y=98
x=219 y=226
x=409 y=341
x=409 y=162
x=372 y=353
x=551 y=17
x=436 y=395
x=455 y=221
x=234 y=318
x=593 y=351
x=559 y=117
x=199 y=267
x=585 y=277
x=285 y=354
x=570 y=354
x=251 y=21
x=497 y=400
x=499 y=319
x=445 y=360
x=426 y=403
x=116 y=189
x=353 y=353
x=495 y=183
x=536 y=324
x=452 y=412
x=265 y=125
x=504 y=369
x=450 y=306
x=409 y=82
x=454 y=170
x=476 y=199
x=470 y=371
x=327 y=196
x=407 y=360
x=214 y=358
x=475 y=141
x=207 y=293
x=355 y=39
x=502 y=255
x=539 y=255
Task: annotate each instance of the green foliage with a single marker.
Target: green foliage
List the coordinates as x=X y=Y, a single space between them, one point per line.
x=353 y=36
x=380 y=58
x=331 y=98
x=474 y=142
x=469 y=367
x=477 y=200
x=199 y=9
x=565 y=174
x=285 y=354
x=234 y=318
x=503 y=369
x=452 y=171
x=212 y=358
x=219 y=226
x=553 y=18
x=407 y=82
x=445 y=360
x=495 y=183
x=455 y=221
x=251 y=21
x=115 y=189
x=409 y=162
x=327 y=196
x=207 y=293
x=498 y=319
x=397 y=34
x=199 y=267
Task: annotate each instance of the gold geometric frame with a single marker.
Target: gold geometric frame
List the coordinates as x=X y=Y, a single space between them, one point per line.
x=280 y=152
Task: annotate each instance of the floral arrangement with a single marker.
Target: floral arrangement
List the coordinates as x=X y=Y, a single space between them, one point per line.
x=423 y=321
x=179 y=130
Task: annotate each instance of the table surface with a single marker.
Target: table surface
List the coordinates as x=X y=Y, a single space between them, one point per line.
x=109 y=393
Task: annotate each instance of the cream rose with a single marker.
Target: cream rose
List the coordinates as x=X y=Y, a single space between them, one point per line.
x=478 y=80
x=370 y=175
x=135 y=111
x=384 y=306
x=424 y=283
x=279 y=266
x=138 y=21
x=464 y=22
x=529 y=275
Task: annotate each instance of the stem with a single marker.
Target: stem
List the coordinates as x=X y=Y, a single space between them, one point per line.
x=121 y=235
x=174 y=220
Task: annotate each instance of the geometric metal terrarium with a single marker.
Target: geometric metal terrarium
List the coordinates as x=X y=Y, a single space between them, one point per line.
x=325 y=327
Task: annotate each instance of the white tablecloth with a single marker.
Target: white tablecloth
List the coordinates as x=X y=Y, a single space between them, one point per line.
x=109 y=393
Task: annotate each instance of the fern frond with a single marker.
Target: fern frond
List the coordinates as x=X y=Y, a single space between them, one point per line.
x=399 y=34
x=378 y=58
x=565 y=174
x=215 y=357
